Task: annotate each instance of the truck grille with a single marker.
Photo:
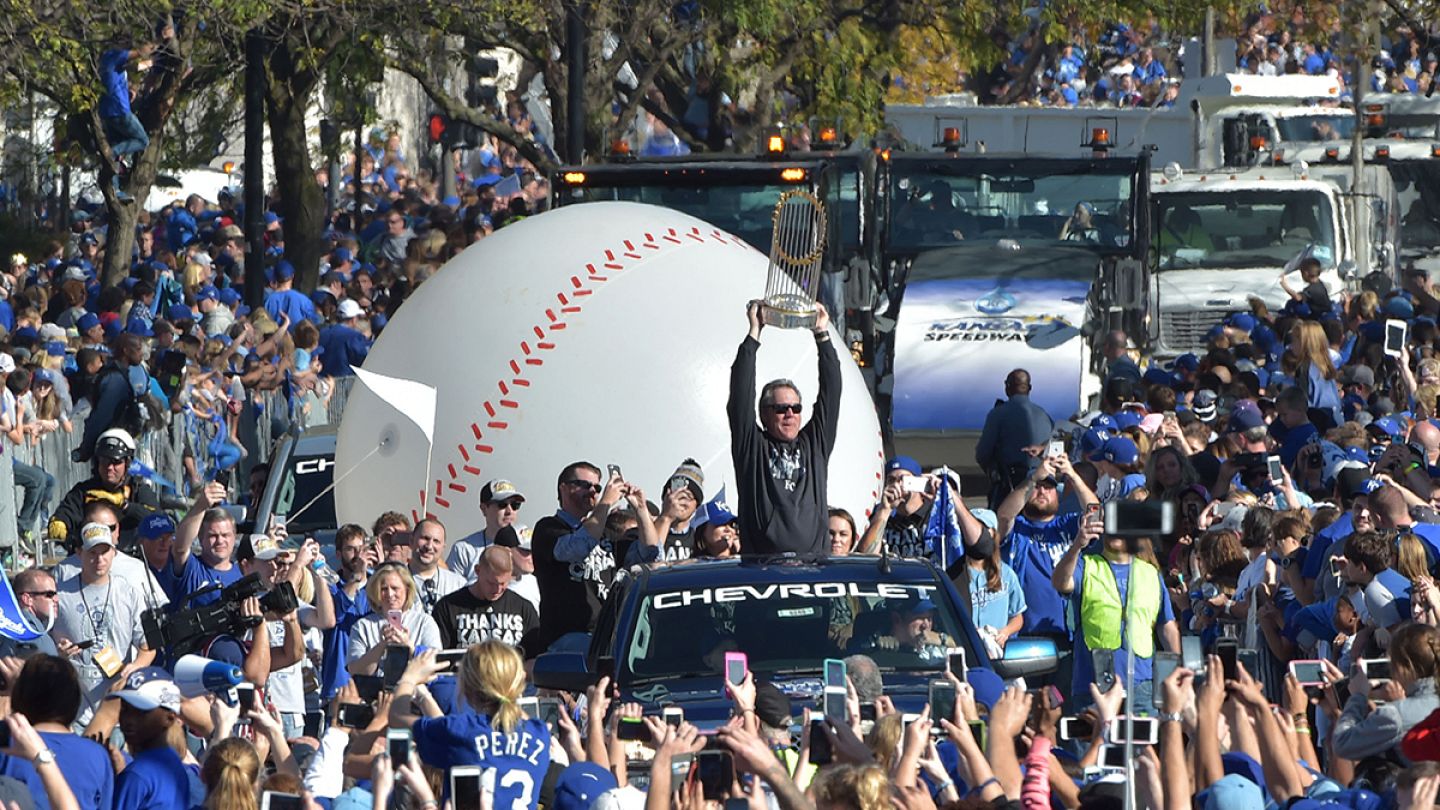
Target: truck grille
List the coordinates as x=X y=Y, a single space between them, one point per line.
x=1182 y=332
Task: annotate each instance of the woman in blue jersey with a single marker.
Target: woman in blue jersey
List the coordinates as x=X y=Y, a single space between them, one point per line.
x=496 y=734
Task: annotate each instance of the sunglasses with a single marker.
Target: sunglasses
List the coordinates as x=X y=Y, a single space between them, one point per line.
x=578 y=484
x=793 y=407
x=46 y=594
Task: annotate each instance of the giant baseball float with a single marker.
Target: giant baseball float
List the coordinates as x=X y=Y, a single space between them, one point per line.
x=603 y=332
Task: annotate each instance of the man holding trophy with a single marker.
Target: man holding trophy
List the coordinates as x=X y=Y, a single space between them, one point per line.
x=780 y=466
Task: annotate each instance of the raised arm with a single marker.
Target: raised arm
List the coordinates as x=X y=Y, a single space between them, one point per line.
x=827 y=401
x=741 y=406
x=189 y=527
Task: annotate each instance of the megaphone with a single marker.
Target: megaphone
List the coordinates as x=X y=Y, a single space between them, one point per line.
x=196 y=675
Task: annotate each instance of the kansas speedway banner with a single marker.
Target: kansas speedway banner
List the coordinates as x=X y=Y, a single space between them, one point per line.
x=956 y=339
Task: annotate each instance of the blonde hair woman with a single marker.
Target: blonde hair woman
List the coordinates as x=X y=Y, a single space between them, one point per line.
x=1315 y=371
x=231 y=772
x=491 y=680
x=395 y=618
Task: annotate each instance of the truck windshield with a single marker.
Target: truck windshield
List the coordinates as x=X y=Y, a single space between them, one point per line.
x=1418 y=183
x=1243 y=229
x=790 y=627
x=742 y=209
x=1315 y=128
x=305 y=478
x=945 y=204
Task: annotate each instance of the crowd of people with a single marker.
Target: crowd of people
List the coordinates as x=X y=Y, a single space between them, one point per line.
x=1234 y=558
x=1141 y=66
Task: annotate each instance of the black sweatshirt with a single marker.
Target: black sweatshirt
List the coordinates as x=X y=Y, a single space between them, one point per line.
x=782 y=485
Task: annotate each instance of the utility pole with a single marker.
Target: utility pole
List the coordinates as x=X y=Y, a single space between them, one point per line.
x=1209 y=57
x=254 y=177
x=575 y=58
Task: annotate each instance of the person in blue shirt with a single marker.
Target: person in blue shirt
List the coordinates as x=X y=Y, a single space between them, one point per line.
x=1035 y=535
x=997 y=602
x=47 y=692
x=155 y=779
x=1369 y=563
x=1115 y=612
x=122 y=128
x=343 y=344
x=184 y=223
x=357 y=556
x=283 y=302
x=1149 y=69
x=497 y=734
x=215 y=528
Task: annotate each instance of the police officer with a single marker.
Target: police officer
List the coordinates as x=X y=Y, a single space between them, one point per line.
x=133 y=498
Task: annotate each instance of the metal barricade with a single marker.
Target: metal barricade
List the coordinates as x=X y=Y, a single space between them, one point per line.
x=271 y=414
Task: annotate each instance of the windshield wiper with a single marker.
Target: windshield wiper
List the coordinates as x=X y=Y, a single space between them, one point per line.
x=673 y=675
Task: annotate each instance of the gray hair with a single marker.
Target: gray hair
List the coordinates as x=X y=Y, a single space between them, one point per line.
x=865 y=675
x=767 y=394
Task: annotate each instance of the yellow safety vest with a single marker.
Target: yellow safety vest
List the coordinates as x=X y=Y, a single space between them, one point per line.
x=1100 y=605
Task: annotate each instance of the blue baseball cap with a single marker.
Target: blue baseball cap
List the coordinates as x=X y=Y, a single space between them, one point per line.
x=1104 y=421
x=1127 y=419
x=271 y=218
x=718 y=513
x=229 y=296
x=135 y=326
x=905 y=463
x=1367 y=486
x=282 y=270
x=580 y=785
x=1231 y=792
x=207 y=293
x=1388 y=425
x=179 y=312
x=1117 y=450
x=341 y=254
x=1185 y=362
x=155 y=526
x=1243 y=321
x=55 y=348
x=319 y=297
x=1092 y=440
x=1245 y=416
x=1158 y=376
x=1400 y=307
x=987 y=685
x=914 y=606
x=87 y=322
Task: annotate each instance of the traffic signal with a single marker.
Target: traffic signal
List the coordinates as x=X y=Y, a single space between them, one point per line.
x=329 y=136
x=485 y=67
x=437 y=127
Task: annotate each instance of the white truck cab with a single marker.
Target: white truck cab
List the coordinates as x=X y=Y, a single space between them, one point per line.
x=1222 y=237
x=1217 y=121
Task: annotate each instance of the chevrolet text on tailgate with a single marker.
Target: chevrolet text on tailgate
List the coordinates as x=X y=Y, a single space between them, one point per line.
x=668 y=630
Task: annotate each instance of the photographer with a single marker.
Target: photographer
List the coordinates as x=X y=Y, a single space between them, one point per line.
x=272 y=653
x=357 y=556
x=97 y=623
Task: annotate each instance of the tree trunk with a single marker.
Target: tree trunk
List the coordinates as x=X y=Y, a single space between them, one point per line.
x=120 y=237
x=301 y=200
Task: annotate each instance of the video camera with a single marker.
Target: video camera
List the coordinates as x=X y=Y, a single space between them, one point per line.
x=183 y=631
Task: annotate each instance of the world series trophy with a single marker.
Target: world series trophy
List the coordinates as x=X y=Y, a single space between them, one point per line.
x=796 y=250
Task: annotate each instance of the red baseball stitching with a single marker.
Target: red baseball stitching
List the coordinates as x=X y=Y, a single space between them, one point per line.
x=555 y=322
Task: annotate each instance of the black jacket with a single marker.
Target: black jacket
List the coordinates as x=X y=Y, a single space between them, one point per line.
x=782 y=485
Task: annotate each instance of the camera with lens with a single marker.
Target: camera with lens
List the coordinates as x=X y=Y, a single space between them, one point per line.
x=187 y=629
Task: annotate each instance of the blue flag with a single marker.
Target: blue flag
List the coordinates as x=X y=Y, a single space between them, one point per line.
x=942 y=533
x=12 y=619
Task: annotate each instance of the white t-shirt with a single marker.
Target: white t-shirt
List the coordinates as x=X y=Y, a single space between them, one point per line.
x=286 y=687
x=131 y=569
x=431 y=589
x=527 y=586
x=109 y=614
x=366 y=633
